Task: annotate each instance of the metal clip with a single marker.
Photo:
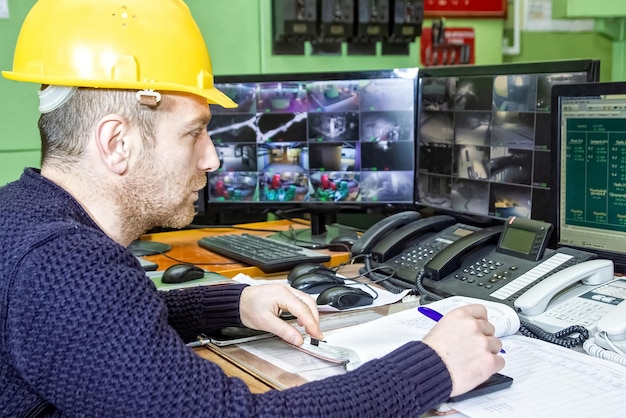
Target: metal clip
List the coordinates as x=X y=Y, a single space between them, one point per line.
x=148 y=97
x=335 y=354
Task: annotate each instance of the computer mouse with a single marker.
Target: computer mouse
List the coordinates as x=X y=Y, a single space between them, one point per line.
x=344 y=297
x=315 y=282
x=179 y=273
x=305 y=268
x=342 y=242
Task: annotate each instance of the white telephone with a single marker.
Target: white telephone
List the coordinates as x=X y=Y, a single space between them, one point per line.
x=609 y=341
x=582 y=294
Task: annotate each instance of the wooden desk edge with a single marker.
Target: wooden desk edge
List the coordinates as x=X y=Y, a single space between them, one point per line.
x=231 y=369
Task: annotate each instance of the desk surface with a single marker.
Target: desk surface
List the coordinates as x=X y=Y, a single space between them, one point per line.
x=185 y=248
x=254 y=382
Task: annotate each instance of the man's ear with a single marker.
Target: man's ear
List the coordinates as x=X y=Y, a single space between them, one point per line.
x=112 y=143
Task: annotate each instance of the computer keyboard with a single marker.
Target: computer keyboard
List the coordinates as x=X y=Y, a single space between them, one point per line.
x=265 y=253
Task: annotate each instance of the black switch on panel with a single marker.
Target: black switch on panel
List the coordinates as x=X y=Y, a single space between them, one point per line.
x=406 y=25
x=372 y=26
x=336 y=26
x=294 y=23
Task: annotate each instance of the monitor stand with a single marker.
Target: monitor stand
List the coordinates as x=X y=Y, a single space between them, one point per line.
x=139 y=248
x=320 y=233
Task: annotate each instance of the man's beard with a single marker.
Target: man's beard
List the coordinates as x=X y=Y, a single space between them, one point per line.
x=149 y=199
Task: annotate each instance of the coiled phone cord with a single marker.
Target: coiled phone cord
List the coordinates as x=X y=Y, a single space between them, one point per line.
x=595 y=350
x=563 y=337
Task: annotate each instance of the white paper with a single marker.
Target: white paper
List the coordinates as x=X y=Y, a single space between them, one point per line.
x=549 y=380
x=4 y=9
x=552 y=381
x=538 y=18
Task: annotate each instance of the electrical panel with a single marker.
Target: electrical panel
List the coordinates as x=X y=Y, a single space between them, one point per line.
x=372 y=25
x=336 y=25
x=408 y=16
x=294 y=23
x=327 y=24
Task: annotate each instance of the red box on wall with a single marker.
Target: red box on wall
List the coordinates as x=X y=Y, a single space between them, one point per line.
x=465 y=8
x=455 y=48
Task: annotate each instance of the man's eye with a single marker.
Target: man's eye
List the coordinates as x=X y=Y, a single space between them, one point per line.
x=197 y=133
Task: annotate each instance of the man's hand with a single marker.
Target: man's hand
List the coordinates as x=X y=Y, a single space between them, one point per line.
x=260 y=307
x=464 y=339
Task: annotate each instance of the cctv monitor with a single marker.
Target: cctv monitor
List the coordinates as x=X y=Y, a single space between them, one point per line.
x=320 y=142
x=485 y=149
x=590 y=121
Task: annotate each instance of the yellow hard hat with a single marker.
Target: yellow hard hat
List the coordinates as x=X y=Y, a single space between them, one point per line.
x=119 y=44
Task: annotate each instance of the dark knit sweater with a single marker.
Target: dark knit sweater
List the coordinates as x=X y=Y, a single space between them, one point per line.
x=83 y=328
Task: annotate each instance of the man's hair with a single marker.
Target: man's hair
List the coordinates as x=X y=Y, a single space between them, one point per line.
x=65 y=132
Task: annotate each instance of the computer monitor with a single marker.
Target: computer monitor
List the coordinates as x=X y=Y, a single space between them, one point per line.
x=485 y=149
x=590 y=121
x=321 y=142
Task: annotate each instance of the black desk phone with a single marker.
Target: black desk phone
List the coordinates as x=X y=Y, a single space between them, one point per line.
x=405 y=242
x=510 y=263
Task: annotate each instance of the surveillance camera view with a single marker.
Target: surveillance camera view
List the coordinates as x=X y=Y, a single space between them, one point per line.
x=484 y=145
x=349 y=140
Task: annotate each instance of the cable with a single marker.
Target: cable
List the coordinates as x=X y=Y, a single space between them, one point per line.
x=595 y=350
x=564 y=338
x=198 y=263
x=388 y=281
x=426 y=296
x=605 y=337
x=242 y=228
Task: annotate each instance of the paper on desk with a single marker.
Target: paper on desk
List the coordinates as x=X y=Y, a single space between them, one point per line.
x=384 y=297
x=552 y=381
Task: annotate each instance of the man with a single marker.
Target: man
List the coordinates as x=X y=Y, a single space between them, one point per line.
x=83 y=332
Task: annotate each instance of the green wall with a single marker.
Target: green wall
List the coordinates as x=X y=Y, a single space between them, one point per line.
x=238 y=35
x=545 y=46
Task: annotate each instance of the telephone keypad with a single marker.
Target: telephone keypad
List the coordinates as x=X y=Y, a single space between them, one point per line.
x=491 y=274
x=579 y=311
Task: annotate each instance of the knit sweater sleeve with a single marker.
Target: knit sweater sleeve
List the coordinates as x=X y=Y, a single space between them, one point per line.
x=203 y=308
x=110 y=350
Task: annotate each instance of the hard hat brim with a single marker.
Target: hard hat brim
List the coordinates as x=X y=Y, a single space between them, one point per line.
x=212 y=95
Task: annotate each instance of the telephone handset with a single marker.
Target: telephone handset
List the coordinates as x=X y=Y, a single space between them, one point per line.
x=394 y=242
x=408 y=264
x=582 y=294
x=535 y=300
x=449 y=259
x=404 y=243
x=379 y=230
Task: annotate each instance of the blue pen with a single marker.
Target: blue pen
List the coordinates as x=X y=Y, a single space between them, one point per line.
x=434 y=315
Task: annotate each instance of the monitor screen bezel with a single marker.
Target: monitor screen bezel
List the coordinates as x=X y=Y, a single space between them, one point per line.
x=308 y=206
x=589 y=66
x=583 y=90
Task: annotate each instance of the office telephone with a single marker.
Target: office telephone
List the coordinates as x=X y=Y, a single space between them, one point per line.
x=502 y=263
x=592 y=303
x=405 y=243
x=609 y=340
x=382 y=228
